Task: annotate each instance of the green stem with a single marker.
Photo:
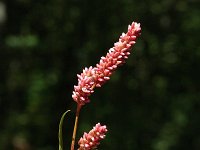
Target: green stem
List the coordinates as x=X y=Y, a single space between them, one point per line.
x=60 y=137
x=75 y=126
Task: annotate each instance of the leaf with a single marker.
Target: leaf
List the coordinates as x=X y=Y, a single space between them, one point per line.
x=60 y=131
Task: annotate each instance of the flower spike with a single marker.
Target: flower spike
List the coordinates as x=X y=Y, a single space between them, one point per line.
x=96 y=76
x=92 y=139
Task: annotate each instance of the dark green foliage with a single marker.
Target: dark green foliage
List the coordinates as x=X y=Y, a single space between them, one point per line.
x=151 y=103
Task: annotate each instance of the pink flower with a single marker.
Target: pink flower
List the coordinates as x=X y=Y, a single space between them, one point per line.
x=96 y=76
x=86 y=84
x=117 y=54
x=92 y=139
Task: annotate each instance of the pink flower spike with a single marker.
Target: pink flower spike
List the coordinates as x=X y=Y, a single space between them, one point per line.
x=96 y=76
x=92 y=139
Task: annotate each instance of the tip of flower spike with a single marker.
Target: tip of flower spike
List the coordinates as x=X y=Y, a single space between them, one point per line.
x=137 y=26
x=134 y=27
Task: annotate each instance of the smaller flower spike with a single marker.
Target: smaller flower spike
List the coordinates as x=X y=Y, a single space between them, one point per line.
x=91 y=140
x=96 y=76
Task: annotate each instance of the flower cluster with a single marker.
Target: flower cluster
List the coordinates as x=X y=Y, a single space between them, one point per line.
x=96 y=76
x=86 y=84
x=91 y=140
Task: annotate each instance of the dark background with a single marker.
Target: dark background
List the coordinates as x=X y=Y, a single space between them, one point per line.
x=151 y=103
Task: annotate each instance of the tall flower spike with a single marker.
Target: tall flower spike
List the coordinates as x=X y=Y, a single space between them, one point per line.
x=92 y=139
x=96 y=76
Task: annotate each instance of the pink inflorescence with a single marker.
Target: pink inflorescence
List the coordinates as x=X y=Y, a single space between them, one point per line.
x=92 y=139
x=96 y=76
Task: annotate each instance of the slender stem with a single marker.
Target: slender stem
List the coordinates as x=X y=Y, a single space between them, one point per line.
x=75 y=126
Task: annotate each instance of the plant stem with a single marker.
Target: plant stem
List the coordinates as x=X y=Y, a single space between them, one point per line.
x=75 y=126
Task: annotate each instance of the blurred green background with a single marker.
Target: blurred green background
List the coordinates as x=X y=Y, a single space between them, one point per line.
x=151 y=103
